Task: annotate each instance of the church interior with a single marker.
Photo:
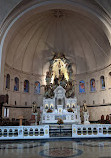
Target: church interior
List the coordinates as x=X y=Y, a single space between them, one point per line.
x=55 y=70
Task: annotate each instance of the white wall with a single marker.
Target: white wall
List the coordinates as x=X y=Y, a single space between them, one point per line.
x=96 y=110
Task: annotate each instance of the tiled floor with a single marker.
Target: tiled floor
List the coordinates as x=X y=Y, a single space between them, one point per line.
x=100 y=148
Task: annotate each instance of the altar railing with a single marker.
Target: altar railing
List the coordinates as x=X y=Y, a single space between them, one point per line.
x=91 y=131
x=45 y=131
x=24 y=132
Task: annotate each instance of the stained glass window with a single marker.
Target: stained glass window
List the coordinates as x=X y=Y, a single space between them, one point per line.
x=37 y=87
x=16 y=84
x=8 y=81
x=82 y=87
x=26 y=86
x=92 y=85
x=102 y=81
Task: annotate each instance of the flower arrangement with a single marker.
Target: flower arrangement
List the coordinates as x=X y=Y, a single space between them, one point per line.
x=60 y=121
x=70 y=110
x=49 y=111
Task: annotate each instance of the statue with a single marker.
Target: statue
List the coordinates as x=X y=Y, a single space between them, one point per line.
x=48 y=78
x=59 y=67
x=84 y=107
x=56 y=81
x=85 y=113
x=63 y=81
x=70 y=71
x=48 y=92
x=34 y=107
x=70 y=90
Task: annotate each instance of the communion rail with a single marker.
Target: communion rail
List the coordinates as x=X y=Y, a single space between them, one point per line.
x=45 y=132
x=91 y=131
x=24 y=132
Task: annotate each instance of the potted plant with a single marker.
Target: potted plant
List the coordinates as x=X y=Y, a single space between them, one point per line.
x=49 y=111
x=60 y=121
x=70 y=110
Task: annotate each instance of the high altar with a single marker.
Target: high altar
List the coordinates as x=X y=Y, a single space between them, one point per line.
x=59 y=102
x=60 y=108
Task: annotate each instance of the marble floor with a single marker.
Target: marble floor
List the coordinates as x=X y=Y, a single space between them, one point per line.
x=61 y=148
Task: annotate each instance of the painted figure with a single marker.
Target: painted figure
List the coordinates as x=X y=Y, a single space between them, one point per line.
x=37 y=87
x=92 y=85
x=102 y=80
x=26 y=86
x=16 y=84
x=81 y=87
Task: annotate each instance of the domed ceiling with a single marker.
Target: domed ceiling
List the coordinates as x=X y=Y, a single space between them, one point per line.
x=77 y=36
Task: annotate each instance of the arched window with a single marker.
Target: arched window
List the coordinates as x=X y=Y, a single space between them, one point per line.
x=81 y=87
x=26 y=86
x=37 y=87
x=102 y=82
x=92 y=85
x=8 y=81
x=16 y=84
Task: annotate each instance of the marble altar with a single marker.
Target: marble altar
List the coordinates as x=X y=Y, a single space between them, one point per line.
x=60 y=107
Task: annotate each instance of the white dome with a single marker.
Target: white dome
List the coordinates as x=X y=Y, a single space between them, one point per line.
x=77 y=36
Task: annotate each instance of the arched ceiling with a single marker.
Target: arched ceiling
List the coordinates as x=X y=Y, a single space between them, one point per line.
x=79 y=37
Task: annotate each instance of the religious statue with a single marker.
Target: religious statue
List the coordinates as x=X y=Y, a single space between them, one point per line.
x=70 y=71
x=56 y=81
x=84 y=107
x=59 y=67
x=48 y=92
x=85 y=113
x=34 y=107
x=63 y=81
x=70 y=89
x=60 y=73
x=48 y=78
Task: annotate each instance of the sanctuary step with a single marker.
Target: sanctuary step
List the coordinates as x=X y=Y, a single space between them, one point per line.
x=60 y=130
